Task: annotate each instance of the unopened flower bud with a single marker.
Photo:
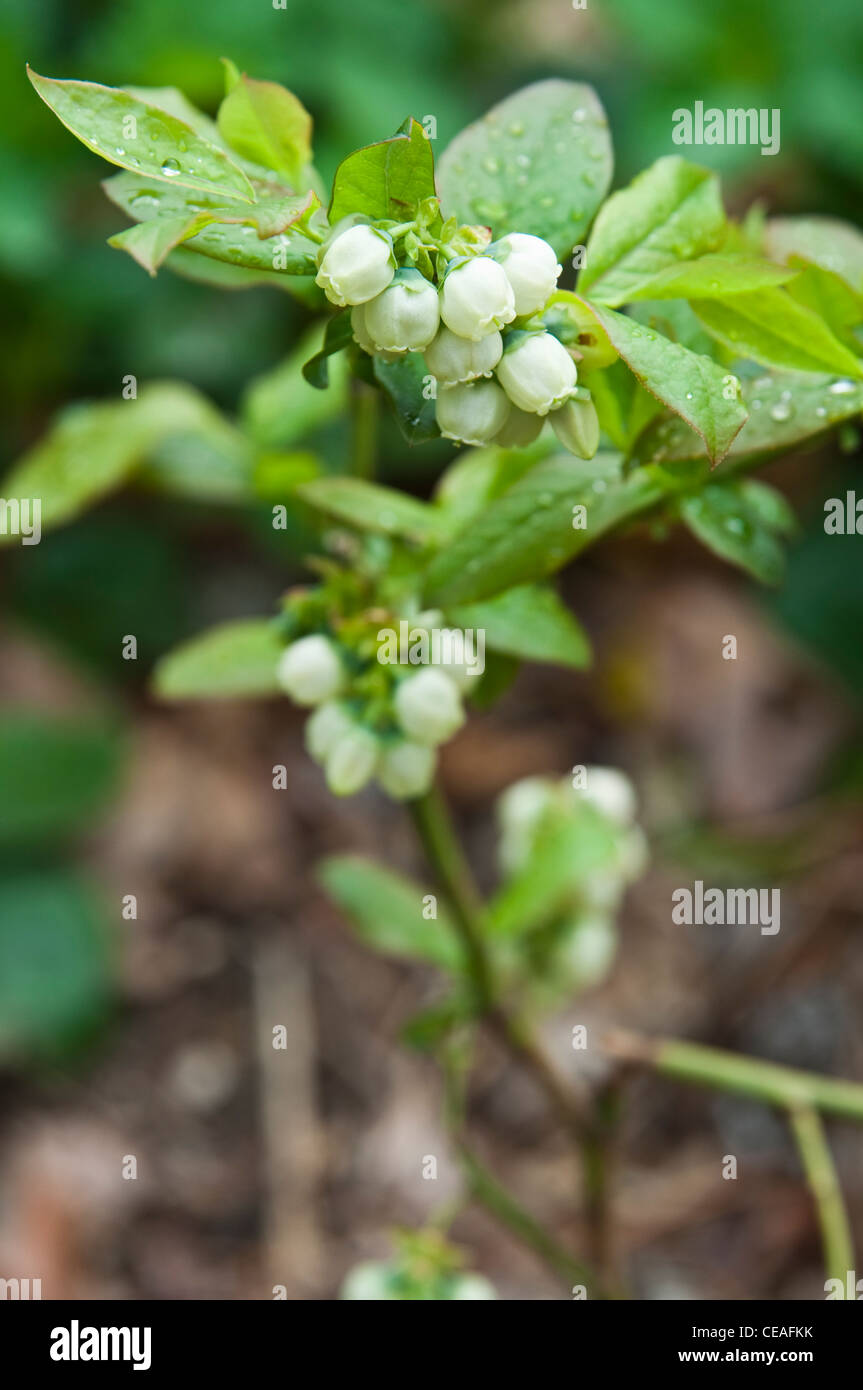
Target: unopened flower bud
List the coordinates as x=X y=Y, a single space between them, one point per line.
x=428 y=707
x=537 y=373
x=406 y=316
x=576 y=425
x=520 y=429
x=356 y=265
x=406 y=769
x=351 y=761
x=477 y=298
x=452 y=360
x=325 y=727
x=310 y=670
x=531 y=267
x=472 y=413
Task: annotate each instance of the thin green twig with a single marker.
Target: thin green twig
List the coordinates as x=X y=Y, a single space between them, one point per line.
x=823 y=1182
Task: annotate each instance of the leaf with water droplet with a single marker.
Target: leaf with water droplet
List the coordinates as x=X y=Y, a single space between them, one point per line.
x=217 y=231
x=691 y=385
x=96 y=115
x=672 y=208
x=532 y=130
x=811 y=410
x=770 y=326
x=740 y=521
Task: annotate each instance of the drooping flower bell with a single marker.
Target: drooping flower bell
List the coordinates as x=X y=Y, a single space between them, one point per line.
x=472 y=413
x=428 y=707
x=476 y=298
x=453 y=360
x=405 y=317
x=537 y=372
x=531 y=267
x=356 y=264
x=310 y=670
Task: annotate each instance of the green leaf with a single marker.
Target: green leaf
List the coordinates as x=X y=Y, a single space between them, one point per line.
x=831 y=298
x=387 y=911
x=54 y=964
x=268 y=125
x=387 y=180
x=403 y=382
x=214 y=228
x=337 y=336
x=477 y=476
x=739 y=526
x=566 y=850
x=55 y=775
x=538 y=162
x=671 y=212
x=280 y=407
x=142 y=138
x=277 y=475
x=622 y=404
x=834 y=245
x=370 y=507
x=694 y=387
x=150 y=243
x=235 y=660
x=92 y=449
x=772 y=327
x=530 y=622
x=786 y=409
x=714 y=277
x=529 y=532
x=204 y=270
x=177 y=104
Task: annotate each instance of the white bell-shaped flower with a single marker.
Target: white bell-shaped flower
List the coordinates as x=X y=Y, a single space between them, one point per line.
x=531 y=267
x=477 y=298
x=356 y=265
x=329 y=722
x=453 y=360
x=406 y=316
x=537 y=372
x=406 y=769
x=351 y=761
x=472 y=413
x=428 y=707
x=310 y=670
x=610 y=791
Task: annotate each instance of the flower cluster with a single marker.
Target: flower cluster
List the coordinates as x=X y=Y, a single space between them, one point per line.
x=578 y=949
x=475 y=315
x=370 y=719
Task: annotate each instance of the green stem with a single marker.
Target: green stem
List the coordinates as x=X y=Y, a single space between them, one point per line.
x=434 y=826
x=487 y=1190
x=748 y=1076
x=435 y=830
x=824 y=1185
x=364 y=432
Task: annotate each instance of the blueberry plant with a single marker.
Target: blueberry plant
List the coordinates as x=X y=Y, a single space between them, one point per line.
x=604 y=360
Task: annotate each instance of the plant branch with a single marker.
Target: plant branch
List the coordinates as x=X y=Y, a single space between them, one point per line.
x=364 y=429
x=488 y=1191
x=748 y=1076
x=434 y=826
x=823 y=1182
